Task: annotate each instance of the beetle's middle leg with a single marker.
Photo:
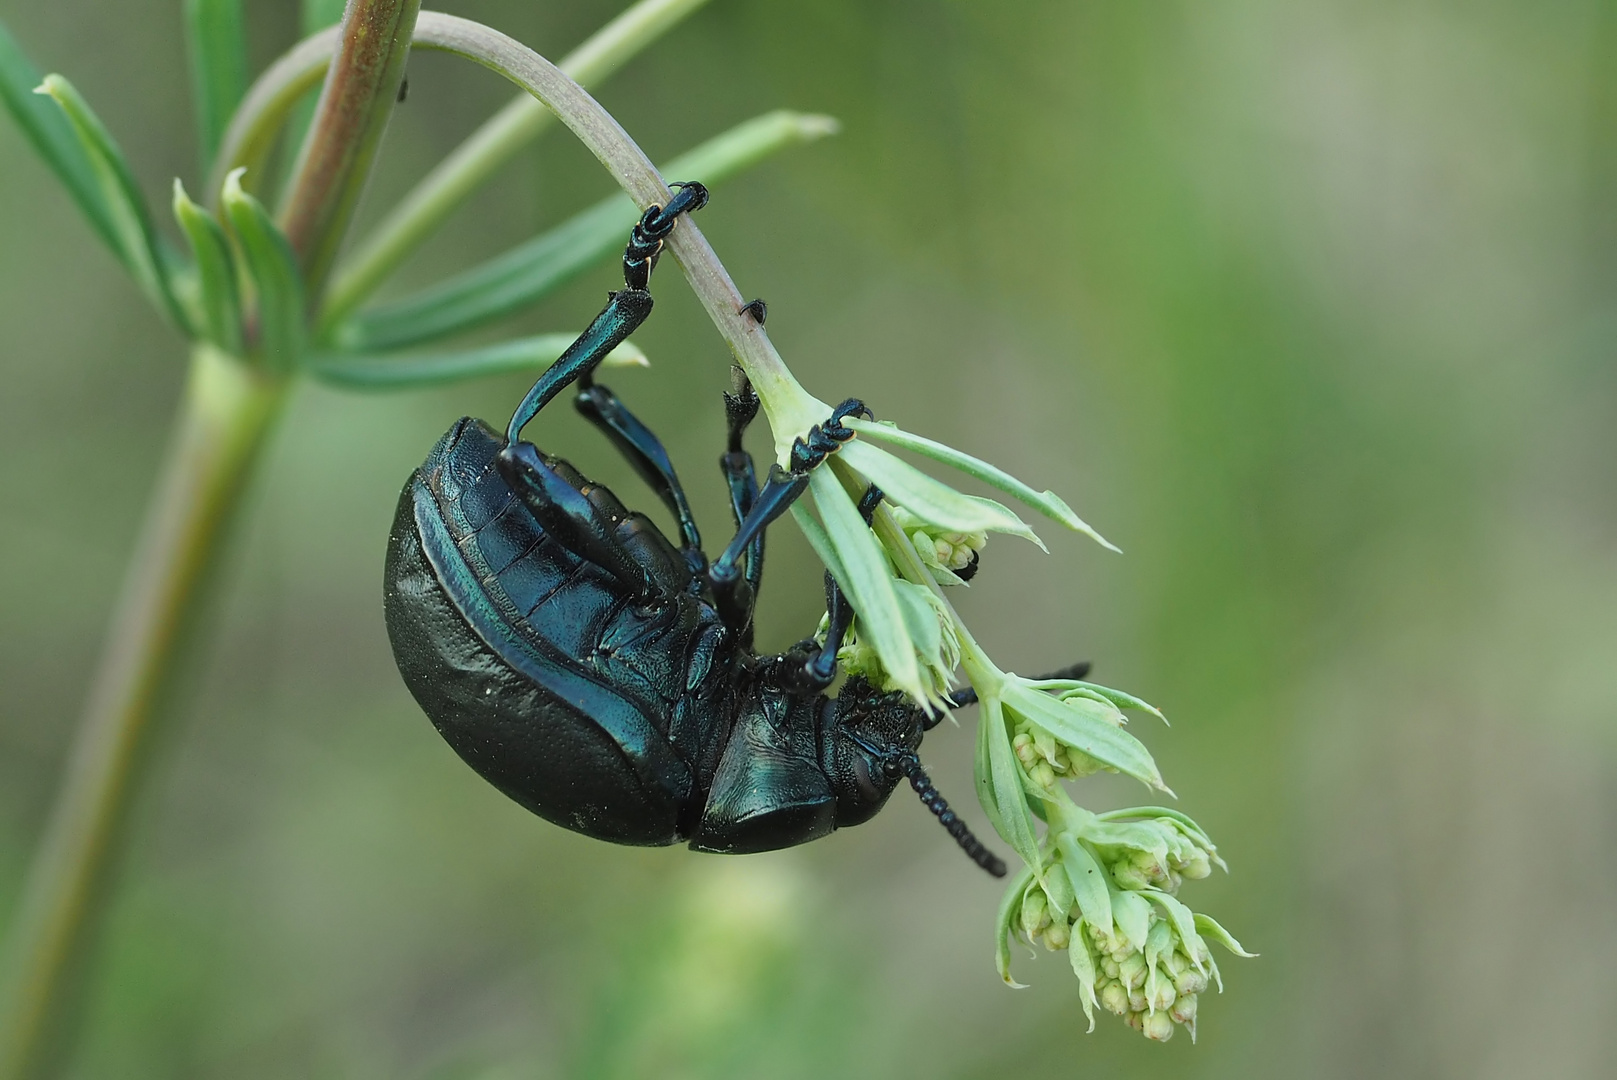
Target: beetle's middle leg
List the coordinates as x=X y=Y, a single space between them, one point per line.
x=624 y=312
x=643 y=450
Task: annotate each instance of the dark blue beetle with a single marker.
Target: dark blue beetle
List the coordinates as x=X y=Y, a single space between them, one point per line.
x=603 y=677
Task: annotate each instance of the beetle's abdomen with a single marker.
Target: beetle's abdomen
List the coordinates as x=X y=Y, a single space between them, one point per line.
x=534 y=665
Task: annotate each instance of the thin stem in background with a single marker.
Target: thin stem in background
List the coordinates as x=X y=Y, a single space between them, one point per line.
x=227 y=413
x=493 y=144
x=224 y=423
x=361 y=87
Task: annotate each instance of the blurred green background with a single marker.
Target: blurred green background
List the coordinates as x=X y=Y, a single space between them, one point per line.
x=1306 y=304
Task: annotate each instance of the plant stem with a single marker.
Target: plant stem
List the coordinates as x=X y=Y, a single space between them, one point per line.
x=789 y=408
x=361 y=87
x=225 y=416
x=471 y=163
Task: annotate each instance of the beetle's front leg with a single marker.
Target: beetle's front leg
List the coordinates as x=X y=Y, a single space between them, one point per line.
x=783 y=488
x=809 y=670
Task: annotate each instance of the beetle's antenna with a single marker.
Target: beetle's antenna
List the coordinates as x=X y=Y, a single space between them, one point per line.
x=910 y=765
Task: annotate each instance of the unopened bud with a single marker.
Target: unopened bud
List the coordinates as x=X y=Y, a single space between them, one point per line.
x=1162 y=994
x=1042 y=775
x=1197 y=868
x=1057 y=936
x=1035 y=913
x=1114 y=998
x=1129 y=876
x=1137 y=1000
x=1131 y=970
x=1157 y=1027
x=1190 y=981
x=1184 y=1009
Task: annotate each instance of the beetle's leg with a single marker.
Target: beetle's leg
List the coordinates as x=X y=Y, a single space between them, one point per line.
x=643 y=450
x=737 y=598
x=818 y=670
x=740 y=409
x=777 y=495
x=783 y=488
x=568 y=516
x=624 y=311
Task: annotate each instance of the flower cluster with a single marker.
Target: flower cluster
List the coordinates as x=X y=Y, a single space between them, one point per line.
x=944 y=551
x=1105 y=896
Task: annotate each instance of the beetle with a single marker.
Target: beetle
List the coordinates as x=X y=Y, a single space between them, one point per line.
x=602 y=676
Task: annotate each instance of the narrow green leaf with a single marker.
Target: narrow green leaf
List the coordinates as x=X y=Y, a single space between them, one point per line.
x=1130 y=835
x=1194 y=830
x=134 y=240
x=216 y=272
x=1047 y=503
x=1007 y=779
x=1088 y=882
x=868 y=581
x=1058 y=891
x=218 y=54
x=1123 y=700
x=982 y=773
x=533 y=270
x=404 y=371
x=817 y=539
x=1079 y=724
x=52 y=135
x=1209 y=926
x=1184 y=922
x=931 y=500
x=1083 y=966
x=1009 y=906
x=273 y=272
x=1132 y=915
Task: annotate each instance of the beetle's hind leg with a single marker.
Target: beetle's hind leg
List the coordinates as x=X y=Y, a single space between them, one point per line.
x=624 y=312
x=561 y=509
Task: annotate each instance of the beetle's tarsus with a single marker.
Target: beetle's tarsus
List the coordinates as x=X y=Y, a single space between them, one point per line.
x=756 y=308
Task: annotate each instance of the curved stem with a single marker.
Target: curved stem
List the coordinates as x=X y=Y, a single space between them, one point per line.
x=225 y=417
x=789 y=408
x=493 y=144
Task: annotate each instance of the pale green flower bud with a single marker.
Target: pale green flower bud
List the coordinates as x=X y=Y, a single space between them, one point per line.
x=1161 y=995
x=1137 y=1000
x=1035 y=913
x=1109 y=966
x=1114 y=998
x=1057 y=936
x=1129 y=876
x=1184 y=1010
x=1197 y=868
x=1157 y=1026
x=1042 y=775
x=1190 y=981
x=1131 y=970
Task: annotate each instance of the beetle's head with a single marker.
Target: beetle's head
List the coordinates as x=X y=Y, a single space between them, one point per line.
x=870 y=730
x=870 y=746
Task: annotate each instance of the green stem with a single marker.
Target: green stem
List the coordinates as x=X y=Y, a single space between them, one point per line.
x=789 y=408
x=499 y=139
x=361 y=88
x=225 y=417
